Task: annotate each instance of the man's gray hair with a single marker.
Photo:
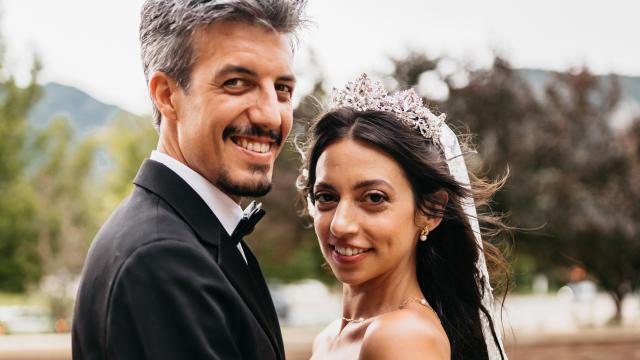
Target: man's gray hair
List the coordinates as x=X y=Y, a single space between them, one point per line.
x=167 y=26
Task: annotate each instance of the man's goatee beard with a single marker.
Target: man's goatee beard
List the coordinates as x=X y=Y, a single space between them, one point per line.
x=260 y=187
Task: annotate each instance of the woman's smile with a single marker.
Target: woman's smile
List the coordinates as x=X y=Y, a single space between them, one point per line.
x=347 y=254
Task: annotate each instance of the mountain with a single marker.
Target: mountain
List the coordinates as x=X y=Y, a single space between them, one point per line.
x=87 y=114
x=84 y=113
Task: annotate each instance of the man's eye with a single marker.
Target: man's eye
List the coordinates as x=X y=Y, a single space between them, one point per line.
x=284 y=88
x=235 y=83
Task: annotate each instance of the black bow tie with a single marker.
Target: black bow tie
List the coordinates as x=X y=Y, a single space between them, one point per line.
x=252 y=214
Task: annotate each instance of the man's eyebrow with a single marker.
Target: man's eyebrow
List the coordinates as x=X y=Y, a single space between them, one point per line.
x=236 y=69
x=288 y=78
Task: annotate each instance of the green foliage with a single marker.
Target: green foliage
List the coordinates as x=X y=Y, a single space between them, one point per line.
x=49 y=208
x=126 y=142
x=7 y=299
x=65 y=173
x=15 y=103
x=18 y=232
x=302 y=261
x=18 y=238
x=61 y=179
x=524 y=268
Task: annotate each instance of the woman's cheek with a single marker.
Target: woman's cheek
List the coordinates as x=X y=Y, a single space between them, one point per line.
x=320 y=225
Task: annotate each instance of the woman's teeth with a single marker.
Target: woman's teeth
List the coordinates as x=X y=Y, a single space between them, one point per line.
x=346 y=251
x=254 y=146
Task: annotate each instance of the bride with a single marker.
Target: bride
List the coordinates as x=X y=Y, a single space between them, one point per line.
x=390 y=196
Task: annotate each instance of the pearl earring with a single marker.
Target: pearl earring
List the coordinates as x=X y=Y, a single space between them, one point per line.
x=424 y=233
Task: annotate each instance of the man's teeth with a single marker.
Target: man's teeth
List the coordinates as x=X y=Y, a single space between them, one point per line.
x=346 y=251
x=254 y=146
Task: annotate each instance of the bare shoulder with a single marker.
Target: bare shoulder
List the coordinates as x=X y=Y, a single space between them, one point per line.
x=405 y=334
x=326 y=336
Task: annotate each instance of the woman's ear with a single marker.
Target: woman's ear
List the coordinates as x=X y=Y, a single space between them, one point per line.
x=432 y=221
x=162 y=89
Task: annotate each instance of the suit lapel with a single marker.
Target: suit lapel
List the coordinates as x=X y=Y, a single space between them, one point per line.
x=159 y=179
x=239 y=274
x=162 y=181
x=268 y=309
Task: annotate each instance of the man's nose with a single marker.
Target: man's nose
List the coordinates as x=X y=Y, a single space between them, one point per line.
x=265 y=113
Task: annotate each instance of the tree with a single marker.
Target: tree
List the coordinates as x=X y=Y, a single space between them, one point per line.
x=18 y=234
x=596 y=182
x=61 y=181
x=59 y=174
x=69 y=209
x=123 y=145
x=569 y=171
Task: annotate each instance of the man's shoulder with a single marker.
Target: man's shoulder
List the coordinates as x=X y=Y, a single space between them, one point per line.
x=144 y=245
x=141 y=220
x=144 y=217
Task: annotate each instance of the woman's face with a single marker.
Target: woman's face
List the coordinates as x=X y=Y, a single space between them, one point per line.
x=364 y=213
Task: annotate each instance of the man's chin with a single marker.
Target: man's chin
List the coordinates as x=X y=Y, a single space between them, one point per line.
x=245 y=190
x=254 y=186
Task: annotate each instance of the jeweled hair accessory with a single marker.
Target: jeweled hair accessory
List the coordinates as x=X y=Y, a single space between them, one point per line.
x=364 y=94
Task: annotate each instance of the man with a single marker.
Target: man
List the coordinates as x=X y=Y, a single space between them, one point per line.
x=168 y=275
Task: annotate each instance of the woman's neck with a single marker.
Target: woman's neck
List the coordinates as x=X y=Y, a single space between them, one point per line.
x=380 y=295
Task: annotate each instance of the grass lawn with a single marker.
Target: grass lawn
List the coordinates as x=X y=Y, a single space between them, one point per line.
x=7 y=299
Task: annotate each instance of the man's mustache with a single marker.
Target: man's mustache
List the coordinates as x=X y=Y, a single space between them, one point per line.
x=253 y=131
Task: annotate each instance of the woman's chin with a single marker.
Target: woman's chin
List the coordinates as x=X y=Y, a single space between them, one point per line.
x=349 y=278
x=347 y=273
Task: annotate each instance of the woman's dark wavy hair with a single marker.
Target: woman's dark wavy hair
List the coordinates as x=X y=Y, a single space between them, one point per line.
x=446 y=262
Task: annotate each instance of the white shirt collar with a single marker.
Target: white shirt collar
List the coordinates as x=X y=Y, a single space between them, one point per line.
x=226 y=210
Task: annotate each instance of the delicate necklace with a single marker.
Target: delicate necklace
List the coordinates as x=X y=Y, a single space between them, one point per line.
x=422 y=302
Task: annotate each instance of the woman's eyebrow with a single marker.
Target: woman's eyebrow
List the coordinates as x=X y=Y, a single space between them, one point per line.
x=323 y=185
x=366 y=183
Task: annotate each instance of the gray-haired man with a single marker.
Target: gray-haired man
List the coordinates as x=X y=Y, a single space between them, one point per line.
x=168 y=276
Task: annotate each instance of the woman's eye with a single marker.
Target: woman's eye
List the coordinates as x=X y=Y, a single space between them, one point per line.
x=375 y=198
x=323 y=198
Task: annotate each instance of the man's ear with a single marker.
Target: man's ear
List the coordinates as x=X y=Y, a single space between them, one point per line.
x=432 y=221
x=163 y=89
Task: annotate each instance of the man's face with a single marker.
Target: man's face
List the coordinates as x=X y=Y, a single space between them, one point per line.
x=233 y=119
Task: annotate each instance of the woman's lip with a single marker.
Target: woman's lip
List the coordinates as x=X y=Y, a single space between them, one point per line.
x=347 y=259
x=333 y=246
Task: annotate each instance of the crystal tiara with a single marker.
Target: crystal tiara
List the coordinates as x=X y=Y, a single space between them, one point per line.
x=366 y=94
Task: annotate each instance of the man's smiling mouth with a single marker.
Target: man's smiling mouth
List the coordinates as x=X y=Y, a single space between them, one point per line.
x=261 y=146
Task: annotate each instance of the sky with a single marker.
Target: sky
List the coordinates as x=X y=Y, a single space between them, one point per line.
x=93 y=44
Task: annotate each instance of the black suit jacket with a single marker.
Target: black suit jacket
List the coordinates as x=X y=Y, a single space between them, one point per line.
x=163 y=280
